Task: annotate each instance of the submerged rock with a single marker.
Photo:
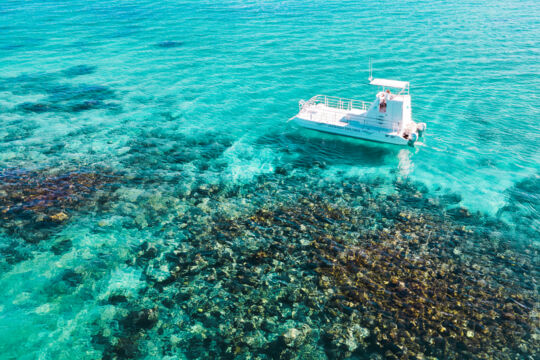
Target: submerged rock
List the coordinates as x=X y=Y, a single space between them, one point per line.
x=79 y=70
x=143 y=319
x=61 y=246
x=38 y=107
x=169 y=44
x=451 y=198
x=296 y=337
x=345 y=339
x=60 y=216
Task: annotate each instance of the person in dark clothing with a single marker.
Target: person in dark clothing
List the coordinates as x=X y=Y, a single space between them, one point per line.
x=382 y=106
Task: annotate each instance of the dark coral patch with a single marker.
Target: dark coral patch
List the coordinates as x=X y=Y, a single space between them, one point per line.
x=25 y=84
x=169 y=44
x=61 y=246
x=37 y=107
x=60 y=97
x=202 y=150
x=92 y=105
x=65 y=92
x=34 y=203
x=79 y=70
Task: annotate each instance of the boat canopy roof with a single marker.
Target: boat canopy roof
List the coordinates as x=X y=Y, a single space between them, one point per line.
x=390 y=83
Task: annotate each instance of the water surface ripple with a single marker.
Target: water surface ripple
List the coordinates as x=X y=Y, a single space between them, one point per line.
x=155 y=203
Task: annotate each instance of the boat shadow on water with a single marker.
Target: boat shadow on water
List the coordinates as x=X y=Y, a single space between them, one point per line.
x=311 y=148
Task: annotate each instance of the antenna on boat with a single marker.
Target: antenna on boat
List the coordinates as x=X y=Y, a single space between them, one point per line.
x=370 y=70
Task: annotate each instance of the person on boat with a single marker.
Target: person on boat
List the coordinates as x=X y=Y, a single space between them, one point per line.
x=382 y=105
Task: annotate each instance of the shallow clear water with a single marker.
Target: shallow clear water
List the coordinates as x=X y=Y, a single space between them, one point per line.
x=129 y=126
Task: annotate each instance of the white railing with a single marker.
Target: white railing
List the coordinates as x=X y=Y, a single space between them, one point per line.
x=332 y=112
x=336 y=103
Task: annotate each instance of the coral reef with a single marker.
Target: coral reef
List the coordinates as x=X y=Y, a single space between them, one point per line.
x=34 y=202
x=60 y=96
x=169 y=44
x=332 y=271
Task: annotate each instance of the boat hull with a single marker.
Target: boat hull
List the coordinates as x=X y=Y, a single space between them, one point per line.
x=358 y=132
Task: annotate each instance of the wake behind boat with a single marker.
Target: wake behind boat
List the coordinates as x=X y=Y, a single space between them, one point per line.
x=388 y=119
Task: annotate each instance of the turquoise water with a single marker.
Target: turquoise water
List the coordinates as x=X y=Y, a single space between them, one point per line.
x=156 y=203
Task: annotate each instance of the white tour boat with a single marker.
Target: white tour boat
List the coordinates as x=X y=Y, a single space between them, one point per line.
x=387 y=119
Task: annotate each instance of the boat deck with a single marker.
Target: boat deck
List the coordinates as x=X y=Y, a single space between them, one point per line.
x=342 y=117
x=323 y=114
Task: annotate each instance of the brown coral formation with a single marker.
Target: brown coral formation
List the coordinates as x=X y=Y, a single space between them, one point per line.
x=32 y=200
x=416 y=285
x=423 y=305
x=331 y=271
